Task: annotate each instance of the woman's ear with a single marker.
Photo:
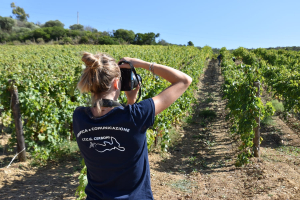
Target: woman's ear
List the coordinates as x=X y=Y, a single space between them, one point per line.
x=116 y=85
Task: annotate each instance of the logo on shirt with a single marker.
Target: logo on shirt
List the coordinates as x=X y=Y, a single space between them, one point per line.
x=107 y=145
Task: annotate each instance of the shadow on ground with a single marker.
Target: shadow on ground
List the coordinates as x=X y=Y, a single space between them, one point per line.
x=56 y=181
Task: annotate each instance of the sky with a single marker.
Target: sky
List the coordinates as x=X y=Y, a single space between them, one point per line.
x=216 y=23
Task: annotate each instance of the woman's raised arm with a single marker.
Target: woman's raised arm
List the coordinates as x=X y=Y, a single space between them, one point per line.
x=179 y=82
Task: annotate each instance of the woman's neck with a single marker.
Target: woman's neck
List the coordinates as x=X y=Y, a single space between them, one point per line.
x=104 y=111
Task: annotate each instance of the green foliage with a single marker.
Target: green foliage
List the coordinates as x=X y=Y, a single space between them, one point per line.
x=84 y=40
x=289 y=150
x=243 y=102
x=248 y=57
x=53 y=23
x=67 y=40
x=6 y=23
x=107 y=40
x=80 y=191
x=46 y=78
x=78 y=27
x=13 y=30
x=40 y=40
x=4 y=36
x=145 y=38
x=162 y=42
x=40 y=33
x=28 y=42
x=277 y=105
x=190 y=43
x=282 y=75
x=268 y=121
x=126 y=35
x=90 y=29
x=19 y=12
x=48 y=33
x=151 y=135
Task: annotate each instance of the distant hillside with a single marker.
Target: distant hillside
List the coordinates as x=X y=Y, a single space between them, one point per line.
x=293 y=48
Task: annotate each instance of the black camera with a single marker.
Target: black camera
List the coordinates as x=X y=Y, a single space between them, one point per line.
x=129 y=78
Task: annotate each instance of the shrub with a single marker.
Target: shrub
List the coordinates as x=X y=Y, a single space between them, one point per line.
x=40 y=41
x=278 y=106
x=83 y=40
x=28 y=42
x=16 y=42
x=268 y=121
x=67 y=40
x=107 y=40
x=50 y=42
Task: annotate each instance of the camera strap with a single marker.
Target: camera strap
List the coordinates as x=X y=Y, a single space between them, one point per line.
x=108 y=103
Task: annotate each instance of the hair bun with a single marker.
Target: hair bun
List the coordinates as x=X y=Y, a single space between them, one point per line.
x=91 y=60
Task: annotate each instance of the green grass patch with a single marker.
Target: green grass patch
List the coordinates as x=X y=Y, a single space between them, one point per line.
x=183 y=185
x=189 y=119
x=277 y=105
x=268 y=121
x=69 y=146
x=64 y=151
x=290 y=150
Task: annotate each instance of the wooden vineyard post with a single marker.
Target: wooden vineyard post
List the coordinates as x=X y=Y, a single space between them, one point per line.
x=15 y=106
x=256 y=140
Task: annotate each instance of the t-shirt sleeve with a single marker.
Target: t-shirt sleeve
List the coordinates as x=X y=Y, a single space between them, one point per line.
x=143 y=113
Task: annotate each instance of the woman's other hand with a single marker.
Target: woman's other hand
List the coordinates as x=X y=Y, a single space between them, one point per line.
x=132 y=95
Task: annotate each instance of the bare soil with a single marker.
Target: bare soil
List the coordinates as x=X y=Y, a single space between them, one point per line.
x=199 y=164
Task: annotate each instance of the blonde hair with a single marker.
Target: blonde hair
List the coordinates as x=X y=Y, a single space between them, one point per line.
x=98 y=75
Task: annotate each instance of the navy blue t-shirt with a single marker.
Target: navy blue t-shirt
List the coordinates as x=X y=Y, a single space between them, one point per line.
x=114 y=148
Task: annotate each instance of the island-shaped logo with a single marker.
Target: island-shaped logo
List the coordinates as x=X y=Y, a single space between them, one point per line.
x=107 y=145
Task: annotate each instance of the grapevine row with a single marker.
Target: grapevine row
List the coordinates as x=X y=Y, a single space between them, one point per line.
x=244 y=105
x=46 y=78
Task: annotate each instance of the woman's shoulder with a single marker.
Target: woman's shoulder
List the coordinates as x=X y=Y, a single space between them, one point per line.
x=79 y=109
x=144 y=103
x=142 y=109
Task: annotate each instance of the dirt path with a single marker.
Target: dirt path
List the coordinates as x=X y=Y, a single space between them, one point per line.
x=200 y=165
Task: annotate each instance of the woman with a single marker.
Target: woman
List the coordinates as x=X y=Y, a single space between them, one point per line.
x=112 y=140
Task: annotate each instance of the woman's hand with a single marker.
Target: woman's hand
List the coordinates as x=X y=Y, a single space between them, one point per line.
x=132 y=95
x=137 y=63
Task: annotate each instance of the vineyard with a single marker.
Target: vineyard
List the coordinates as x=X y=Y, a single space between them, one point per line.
x=223 y=105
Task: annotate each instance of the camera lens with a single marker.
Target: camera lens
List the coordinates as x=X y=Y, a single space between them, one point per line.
x=135 y=82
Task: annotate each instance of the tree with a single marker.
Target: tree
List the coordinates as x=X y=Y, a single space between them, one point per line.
x=40 y=33
x=91 y=29
x=19 y=12
x=6 y=23
x=52 y=23
x=163 y=42
x=105 y=33
x=84 y=40
x=76 y=27
x=190 y=43
x=4 y=36
x=56 y=32
x=126 y=35
x=145 y=38
x=107 y=40
x=74 y=33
